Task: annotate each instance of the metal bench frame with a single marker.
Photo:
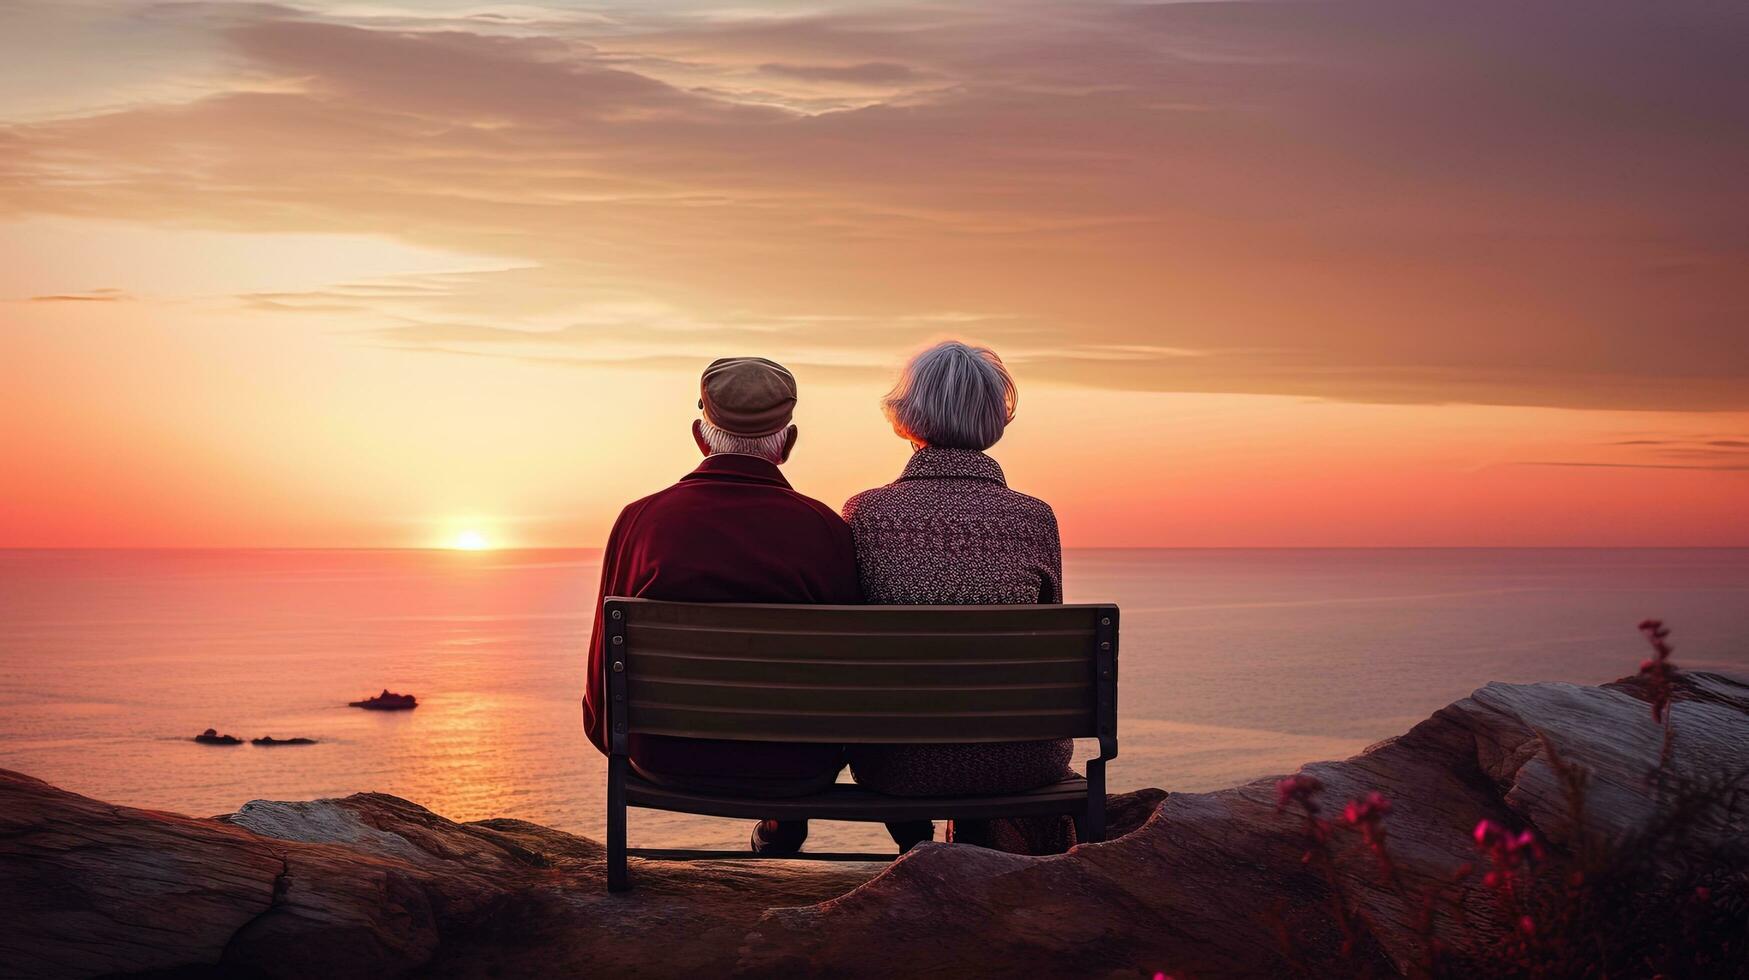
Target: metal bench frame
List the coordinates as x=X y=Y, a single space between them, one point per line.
x=719 y=659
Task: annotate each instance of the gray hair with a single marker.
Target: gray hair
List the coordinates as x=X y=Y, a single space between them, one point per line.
x=954 y=396
x=765 y=447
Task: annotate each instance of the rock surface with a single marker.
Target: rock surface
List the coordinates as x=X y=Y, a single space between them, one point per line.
x=1198 y=884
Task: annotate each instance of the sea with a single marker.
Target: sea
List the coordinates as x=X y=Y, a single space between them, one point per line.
x=1235 y=664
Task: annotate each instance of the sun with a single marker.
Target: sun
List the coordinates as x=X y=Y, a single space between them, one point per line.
x=470 y=541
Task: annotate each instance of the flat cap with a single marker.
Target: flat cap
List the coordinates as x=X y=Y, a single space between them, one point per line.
x=747 y=396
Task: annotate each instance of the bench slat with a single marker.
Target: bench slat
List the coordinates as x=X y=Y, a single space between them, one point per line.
x=686 y=854
x=753 y=698
x=903 y=729
x=849 y=802
x=873 y=620
x=839 y=649
x=826 y=673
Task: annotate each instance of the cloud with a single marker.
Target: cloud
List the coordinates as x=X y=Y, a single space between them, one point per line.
x=1700 y=453
x=466 y=78
x=866 y=73
x=94 y=296
x=1643 y=466
x=1369 y=200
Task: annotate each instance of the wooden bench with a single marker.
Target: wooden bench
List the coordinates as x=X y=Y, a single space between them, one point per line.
x=856 y=675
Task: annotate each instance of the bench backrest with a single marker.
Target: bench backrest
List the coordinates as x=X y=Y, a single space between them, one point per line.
x=861 y=674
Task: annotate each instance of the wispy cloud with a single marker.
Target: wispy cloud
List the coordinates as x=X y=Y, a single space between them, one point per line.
x=94 y=296
x=1640 y=466
x=884 y=73
x=1725 y=454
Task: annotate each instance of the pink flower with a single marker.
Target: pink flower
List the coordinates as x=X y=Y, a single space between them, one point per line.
x=1658 y=670
x=1299 y=789
x=1366 y=811
x=1487 y=832
x=1507 y=852
x=1368 y=816
x=1526 y=847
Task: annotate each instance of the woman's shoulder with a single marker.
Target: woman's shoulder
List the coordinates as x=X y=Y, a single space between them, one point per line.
x=867 y=502
x=1028 y=508
x=901 y=498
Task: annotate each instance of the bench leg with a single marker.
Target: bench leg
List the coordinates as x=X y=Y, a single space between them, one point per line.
x=617 y=880
x=1090 y=828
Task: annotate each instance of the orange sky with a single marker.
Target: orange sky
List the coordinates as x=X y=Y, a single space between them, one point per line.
x=1312 y=273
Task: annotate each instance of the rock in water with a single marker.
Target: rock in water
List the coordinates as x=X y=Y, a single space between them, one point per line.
x=212 y=737
x=387 y=701
x=270 y=740
x=372 y=885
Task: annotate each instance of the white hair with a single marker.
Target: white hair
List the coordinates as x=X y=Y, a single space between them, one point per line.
x=954 y=396
x=765 y=447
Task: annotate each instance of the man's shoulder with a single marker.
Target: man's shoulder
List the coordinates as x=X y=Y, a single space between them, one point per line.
x=816 y=507
x=632 y=510
x=780 y=499
x=805 y=510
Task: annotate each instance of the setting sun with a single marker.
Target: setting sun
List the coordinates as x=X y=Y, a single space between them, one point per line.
x=470 y=541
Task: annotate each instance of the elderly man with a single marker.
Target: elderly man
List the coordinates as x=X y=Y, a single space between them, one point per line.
x=732 y=530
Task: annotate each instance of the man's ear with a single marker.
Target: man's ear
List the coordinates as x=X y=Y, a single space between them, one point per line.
x=789 y=442
x=698 y=436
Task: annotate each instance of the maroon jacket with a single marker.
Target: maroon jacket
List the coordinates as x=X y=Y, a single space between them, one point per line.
x=730 y=531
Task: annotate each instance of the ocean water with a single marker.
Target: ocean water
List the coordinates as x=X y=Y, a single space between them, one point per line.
x=1235 y=664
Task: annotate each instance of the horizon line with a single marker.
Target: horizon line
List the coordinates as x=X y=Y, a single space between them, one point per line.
x=1066 y=548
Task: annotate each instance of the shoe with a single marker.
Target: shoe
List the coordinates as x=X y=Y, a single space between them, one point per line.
x=775 y=838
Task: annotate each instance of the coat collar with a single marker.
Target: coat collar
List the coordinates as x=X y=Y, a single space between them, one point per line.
x=932 y=463
x=737 y=468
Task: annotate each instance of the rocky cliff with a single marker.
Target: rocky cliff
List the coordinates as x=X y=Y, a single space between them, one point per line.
x=1206 y=884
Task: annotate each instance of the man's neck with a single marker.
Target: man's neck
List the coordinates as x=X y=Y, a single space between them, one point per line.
x=739 y=467
x=767 y=459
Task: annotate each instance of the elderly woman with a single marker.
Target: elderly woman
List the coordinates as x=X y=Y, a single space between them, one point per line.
x=950 y=532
